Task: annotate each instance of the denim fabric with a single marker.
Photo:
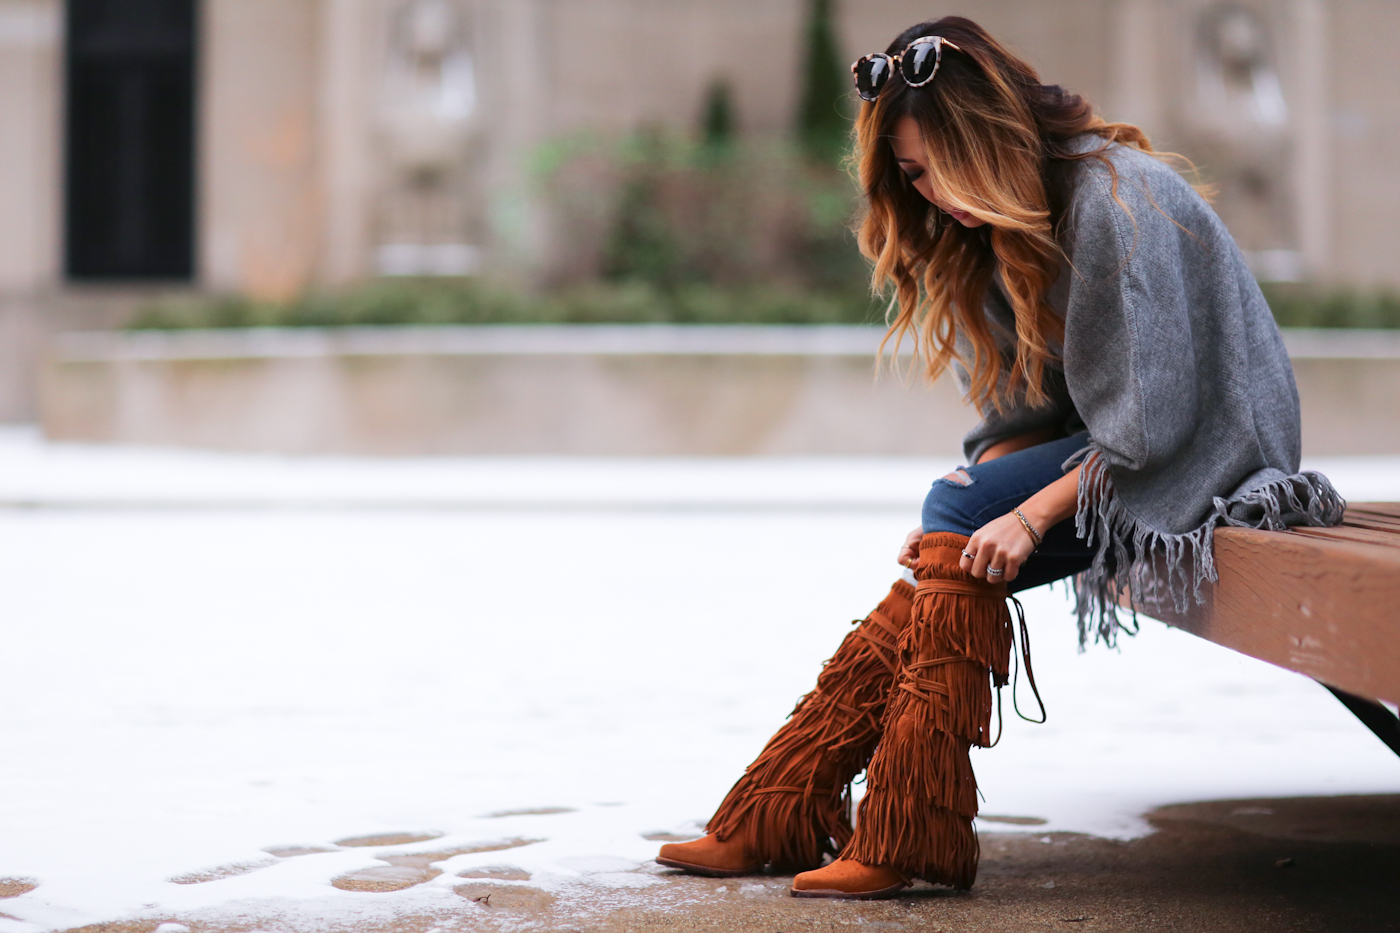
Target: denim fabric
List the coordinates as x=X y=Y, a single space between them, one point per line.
x=998 y=486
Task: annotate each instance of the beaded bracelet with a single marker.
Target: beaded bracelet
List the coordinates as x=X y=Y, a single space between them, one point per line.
x=1030 y=529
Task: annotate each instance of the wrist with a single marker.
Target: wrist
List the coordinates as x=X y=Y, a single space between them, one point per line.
x=1033 y=526
x=1054 y=503
x=1037 y=516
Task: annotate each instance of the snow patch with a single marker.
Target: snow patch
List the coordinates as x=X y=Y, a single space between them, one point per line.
x=447 y=668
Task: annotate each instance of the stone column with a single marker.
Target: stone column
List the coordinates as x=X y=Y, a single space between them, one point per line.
x=260 y=206
x=31 y=89
x=1137 y=94
x=1312 y=134
x=347 y=57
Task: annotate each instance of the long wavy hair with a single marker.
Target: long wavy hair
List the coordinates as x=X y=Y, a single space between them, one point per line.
x=997 y=144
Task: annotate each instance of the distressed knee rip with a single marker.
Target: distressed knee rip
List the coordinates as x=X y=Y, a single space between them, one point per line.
x=959 y=477
x=948 y=504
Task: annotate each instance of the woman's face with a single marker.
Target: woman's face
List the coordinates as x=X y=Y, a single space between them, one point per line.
x=913 y=161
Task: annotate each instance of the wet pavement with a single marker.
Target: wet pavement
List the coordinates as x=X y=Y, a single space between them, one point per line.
x=1320 y=864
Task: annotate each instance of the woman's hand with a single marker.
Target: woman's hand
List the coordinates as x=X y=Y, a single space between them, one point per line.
x=1001 y=544
x=1004 y=544
x=909 y=554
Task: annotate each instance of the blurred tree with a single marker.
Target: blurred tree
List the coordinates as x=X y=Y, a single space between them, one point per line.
x=717 y=122
x=823 y=121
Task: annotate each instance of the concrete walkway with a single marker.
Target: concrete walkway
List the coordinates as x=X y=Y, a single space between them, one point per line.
x=1323 y=864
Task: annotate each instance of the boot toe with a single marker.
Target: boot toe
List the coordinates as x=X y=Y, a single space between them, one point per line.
x=709 y=856
x=850 y=880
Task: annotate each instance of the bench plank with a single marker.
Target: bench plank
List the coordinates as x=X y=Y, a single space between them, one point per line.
x=1357 y=533
x=1376 y=523
x=1378 y=508
x=1391 y=527
x=1322 y=602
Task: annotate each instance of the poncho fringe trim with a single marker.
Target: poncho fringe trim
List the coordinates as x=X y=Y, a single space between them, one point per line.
x=1138 y=566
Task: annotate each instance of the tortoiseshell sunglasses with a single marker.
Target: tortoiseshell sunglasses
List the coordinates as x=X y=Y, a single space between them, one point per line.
x=918 y=63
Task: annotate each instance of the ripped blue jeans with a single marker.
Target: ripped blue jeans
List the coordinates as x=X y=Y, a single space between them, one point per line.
x=994 y=488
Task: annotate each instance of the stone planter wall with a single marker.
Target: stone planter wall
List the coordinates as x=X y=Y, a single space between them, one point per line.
x=583 y=390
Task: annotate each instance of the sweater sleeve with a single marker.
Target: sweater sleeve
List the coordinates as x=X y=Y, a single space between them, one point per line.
x=1175 y=364
x=1127 y=323
x=1016 y=418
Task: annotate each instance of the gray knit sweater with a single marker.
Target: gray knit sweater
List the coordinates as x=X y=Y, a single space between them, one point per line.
x=1174 y=364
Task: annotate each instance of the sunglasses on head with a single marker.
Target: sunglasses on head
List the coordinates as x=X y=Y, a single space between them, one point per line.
x=918 y=63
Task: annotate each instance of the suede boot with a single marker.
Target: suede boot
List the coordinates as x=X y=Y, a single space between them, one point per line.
x=916 y=818
x=850 y=880
x=792 y=805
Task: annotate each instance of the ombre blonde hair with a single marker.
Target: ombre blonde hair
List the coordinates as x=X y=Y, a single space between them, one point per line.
x=997 y=142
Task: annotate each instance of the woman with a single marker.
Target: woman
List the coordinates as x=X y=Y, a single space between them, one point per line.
x=1129 y=375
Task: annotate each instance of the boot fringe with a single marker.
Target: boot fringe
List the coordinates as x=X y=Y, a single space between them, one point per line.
x=794 y=801
x=950 y=859
x=917 y=767
x=975 y=626
x=917 y=815
x=957 y=698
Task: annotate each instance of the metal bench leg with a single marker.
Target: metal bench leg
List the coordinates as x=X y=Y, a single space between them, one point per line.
x=1373 y=715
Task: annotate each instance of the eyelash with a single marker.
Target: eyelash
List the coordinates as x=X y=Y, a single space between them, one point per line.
x=914 y=176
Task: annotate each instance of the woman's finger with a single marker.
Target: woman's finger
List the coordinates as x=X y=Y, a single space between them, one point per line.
x=910 y=550
x=1005 y=560
x=1013 y=567
x=969 y=555
x=986 y=554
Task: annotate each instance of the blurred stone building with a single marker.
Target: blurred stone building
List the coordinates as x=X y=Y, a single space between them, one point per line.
x=267 y=146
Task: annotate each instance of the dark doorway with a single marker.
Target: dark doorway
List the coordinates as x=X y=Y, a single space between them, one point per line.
x=129 y=209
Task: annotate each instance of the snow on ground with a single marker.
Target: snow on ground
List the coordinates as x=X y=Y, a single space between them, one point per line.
x=205 y=656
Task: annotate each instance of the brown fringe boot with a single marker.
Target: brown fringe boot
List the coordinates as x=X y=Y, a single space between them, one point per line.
x=792 y=804
x=916 y=818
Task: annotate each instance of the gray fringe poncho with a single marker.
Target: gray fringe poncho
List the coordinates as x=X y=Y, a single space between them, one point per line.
x=1174 y=364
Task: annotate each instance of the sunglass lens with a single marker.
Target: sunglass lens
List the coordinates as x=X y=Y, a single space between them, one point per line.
x=871 y=75
x=918 y=63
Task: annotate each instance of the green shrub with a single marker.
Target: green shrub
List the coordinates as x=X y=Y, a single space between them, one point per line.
x=435 y=301
x=656 y=227
x=1308 y=306
x=661 y=207
x=439 y=301
x=653 y=227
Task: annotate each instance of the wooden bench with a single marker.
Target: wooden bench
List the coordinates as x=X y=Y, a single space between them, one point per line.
x=1324 y=602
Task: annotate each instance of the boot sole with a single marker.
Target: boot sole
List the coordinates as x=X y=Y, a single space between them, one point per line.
x=879 y=895
x=706 y=871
